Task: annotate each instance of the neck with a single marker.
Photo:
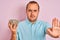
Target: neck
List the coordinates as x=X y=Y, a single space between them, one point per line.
x=32 y=22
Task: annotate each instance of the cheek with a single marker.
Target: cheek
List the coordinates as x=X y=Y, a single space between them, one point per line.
x=28 y=14
x=36 y=14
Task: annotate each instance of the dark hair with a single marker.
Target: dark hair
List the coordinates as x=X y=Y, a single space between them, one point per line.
x=32 y=2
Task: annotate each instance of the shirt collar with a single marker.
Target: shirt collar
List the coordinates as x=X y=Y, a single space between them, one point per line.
x=30 y=22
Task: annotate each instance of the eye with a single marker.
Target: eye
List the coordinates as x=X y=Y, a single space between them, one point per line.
x=35 y=10
x=29 y=10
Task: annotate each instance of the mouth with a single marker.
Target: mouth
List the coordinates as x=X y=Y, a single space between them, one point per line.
x=32 y=16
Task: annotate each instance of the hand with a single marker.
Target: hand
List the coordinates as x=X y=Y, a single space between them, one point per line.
x=59 y=29
x=56 y=27
x=12 y=25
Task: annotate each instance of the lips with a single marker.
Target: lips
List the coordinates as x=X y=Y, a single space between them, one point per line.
x=32 y=16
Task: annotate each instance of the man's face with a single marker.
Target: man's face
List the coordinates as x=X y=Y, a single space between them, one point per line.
x=32 y=12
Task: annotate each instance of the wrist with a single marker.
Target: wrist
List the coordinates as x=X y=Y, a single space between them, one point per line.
x=13 y=36
x=13 y=32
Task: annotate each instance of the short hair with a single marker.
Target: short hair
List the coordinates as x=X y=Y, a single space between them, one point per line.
x=32 y=2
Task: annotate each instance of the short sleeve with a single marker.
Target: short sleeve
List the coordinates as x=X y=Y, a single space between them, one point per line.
x=47 y=25
x=17 y=36
x=18 y=33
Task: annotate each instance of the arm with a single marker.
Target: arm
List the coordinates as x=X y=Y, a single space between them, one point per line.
x=12 y=24
x=13 y=36
x=13 y=31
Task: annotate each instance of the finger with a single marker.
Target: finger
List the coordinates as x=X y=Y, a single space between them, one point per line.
x=14 y=25
x=55 y=22
x=9 y=24
x=59 y=24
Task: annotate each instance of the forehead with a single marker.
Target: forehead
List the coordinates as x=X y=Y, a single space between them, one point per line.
x=32 y=6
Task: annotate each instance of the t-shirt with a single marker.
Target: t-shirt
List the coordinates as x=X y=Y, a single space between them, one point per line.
x=28 y=31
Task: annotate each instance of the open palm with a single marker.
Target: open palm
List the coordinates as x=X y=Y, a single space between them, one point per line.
x=56 y=27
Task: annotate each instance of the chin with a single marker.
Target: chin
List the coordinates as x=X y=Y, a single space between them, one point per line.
x=33 y=20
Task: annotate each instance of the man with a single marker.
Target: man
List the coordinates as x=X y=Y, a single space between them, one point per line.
x=31 y=28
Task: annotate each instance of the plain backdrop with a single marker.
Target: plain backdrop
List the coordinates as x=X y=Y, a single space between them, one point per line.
x=15 y=9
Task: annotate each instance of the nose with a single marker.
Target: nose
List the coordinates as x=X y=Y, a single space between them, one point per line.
x=32 y=12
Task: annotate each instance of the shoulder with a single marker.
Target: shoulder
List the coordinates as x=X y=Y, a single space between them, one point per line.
x=21 y=22
x=42 y=22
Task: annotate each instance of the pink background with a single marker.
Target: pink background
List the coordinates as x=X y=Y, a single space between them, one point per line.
x=15 y=9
